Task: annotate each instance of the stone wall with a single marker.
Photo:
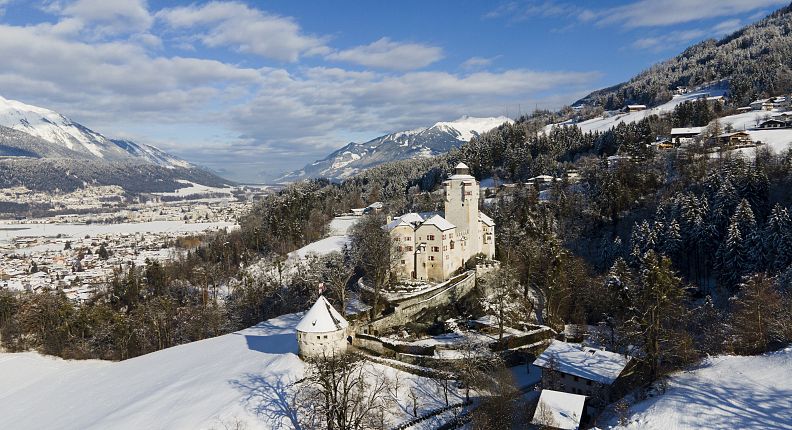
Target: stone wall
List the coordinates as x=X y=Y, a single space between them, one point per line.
x=404 y=310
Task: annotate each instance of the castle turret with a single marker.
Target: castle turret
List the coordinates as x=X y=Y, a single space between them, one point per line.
x=322 y=331
x=461 y=208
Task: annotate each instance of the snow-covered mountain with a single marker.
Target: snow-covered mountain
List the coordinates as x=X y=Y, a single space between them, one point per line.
x=78 y=140
x=422 y=142
x=44 y=150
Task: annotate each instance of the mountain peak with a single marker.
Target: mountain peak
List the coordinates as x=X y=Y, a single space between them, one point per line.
x=416 y=143
x=61 y=131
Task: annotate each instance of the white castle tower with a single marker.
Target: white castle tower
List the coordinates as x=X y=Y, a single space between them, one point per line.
x=461 y=209
x=322 y=331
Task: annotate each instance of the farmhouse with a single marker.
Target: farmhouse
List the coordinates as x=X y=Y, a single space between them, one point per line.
x=685 y=135
x=574 y=368
x=762 y=104
x=432 y=246
x=322 y=331
x=737 y=138
x=635 y=108
x=779 y=121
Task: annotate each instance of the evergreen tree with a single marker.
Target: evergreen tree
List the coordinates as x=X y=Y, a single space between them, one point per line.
x=778 y=239
x=731 y=258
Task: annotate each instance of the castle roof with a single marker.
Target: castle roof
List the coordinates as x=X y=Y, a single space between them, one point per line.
x=461 y=166
x=439 y=222
x=322 y=318
x=486 y=219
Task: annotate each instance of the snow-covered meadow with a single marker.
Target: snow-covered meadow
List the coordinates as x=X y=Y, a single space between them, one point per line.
x=723 y=392
x=242 y=378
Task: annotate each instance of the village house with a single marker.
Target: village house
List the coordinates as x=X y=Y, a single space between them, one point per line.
x=432 y=246
x=635 y=108
x=763 y=104
x=735 y=139
x=577 y=369
x=322 y=331
x=778 y=121
x=685 y=135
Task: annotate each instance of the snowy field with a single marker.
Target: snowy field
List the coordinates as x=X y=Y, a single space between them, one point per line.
x=9 y=230
x=241 y=377
x=338 y=238
x=192 y=189
x=724 y=392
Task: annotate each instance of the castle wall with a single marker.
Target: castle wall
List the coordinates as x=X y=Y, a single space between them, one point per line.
x=316 y=344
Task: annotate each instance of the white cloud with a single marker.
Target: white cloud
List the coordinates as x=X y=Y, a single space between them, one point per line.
x=272 y=118
x=523 y=10
x=728 y=26
x=668 y=40
x=103 y=18
x=653 y=13
x=387 y=54
x=478 y=62
x=245 y=29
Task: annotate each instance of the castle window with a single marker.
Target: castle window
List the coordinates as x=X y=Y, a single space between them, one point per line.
x=430 y=237
x=403 y=262
x=445 y=248
x=431 y=258
x=409 y=248
x=435 y=249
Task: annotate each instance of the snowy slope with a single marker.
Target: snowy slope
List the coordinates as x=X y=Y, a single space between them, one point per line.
x=60 y=131
x=422 y=142
x=725 y=392
x=612 y=119
x=214 y=383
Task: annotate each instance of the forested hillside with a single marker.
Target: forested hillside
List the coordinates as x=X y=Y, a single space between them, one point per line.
x=756 y=60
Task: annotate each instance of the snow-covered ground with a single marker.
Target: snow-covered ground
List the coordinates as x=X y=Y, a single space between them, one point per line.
x=724 y=392
x=338 y=238
x=11 y=230
x=612 y=119
x=192 y=189
x=241 y=377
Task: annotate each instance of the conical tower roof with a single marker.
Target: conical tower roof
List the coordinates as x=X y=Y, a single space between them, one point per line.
x=322 y=318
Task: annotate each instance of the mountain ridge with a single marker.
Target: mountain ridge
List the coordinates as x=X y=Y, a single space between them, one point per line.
x=421 y=142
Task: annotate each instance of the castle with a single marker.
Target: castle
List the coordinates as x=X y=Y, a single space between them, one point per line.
x=432 y=246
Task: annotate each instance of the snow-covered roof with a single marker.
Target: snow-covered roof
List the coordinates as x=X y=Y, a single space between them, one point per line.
x=566 y=410
x=439 y=222
x=686 y=130
x=396 y=223
x=412 y=217
x=486 y=219
x=589 y=363
x=322 y=318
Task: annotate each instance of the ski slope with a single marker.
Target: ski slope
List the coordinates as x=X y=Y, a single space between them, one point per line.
x=724 y=392
x=239 y=378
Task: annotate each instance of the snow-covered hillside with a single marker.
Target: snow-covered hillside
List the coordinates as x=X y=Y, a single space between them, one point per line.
x=239 y=380
x=612 y=119
x=724 y=392
x=59 y=130
x=422 y=142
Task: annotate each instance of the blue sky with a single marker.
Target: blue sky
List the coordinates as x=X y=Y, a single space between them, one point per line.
x=252 y=89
